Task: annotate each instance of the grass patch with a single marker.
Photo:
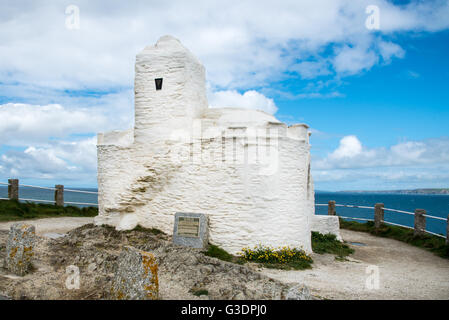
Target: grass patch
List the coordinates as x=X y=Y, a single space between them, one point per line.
x=13 y=210
x=200 y=292
x=147 y=230
x=430 y=242
x=285 y=258
x=328 y=243
x=219 y=253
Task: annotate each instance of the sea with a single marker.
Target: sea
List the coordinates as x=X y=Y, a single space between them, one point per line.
x=434 y=204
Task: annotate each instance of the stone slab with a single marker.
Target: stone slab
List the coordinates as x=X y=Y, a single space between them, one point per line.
x=191 y=230
x=326 y=224
x=19 y=248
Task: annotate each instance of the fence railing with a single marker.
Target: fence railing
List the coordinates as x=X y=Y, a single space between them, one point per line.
x=420 y=215
x=13 y=193
x=378 y=218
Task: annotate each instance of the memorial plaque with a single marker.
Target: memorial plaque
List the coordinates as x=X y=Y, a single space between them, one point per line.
x=188 y=227
x=191 y=230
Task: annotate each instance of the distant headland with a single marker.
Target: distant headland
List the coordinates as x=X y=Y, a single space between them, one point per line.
x=413 y=191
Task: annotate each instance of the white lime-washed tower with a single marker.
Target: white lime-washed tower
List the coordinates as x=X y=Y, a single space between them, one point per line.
x=246 y=170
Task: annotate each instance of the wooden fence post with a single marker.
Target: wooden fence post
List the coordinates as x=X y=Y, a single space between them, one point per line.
x=13 y=189
x=378 y=215
x=420 y=222
x=59 y=195
x=331 y=208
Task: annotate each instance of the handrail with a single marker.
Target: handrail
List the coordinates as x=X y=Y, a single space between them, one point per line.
x=52 y=201
x=37 y=187
x=387 y=222
x=433 y=217
x=363 y=219
x=50 y=188
x=82 y=203
x=353 y=206
x=386 y=209
x=401 y=211
x=80 y=191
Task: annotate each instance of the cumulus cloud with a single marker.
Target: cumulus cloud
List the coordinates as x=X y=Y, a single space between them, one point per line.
x=350 y=147
x=354 y=59
x=79 y=82
x=240 y=50
x=311 y=69
x=352 y=154
x=58 y=160
x=25 y=124
x=389 y=50
x=248 y=100
x=403 y=165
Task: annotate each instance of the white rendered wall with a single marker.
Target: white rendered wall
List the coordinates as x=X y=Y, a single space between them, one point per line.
x=326 y=224
x=211 y=161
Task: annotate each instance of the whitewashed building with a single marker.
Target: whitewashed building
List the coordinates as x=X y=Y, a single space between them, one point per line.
x=246 y=170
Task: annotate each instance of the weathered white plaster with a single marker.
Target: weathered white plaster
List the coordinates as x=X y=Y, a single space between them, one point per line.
x=245 y=169
x=326 y=224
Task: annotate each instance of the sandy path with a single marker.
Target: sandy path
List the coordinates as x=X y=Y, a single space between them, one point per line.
x=405 y=272
x=52 y=225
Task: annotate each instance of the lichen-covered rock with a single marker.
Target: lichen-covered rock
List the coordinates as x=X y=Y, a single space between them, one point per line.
x=298 y=292
x=136 y=276
x=19 y=248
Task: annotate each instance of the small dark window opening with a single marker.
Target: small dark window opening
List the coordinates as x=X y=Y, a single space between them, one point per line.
x=158 y=82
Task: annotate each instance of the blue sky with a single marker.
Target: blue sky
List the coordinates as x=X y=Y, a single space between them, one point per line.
x=376 y=100
x=406 y=99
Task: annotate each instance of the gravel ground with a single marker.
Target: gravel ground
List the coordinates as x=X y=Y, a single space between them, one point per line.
x=52 y=225
x=405 y=272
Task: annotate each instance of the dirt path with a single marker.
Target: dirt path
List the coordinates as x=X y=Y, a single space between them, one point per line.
x=52 y=225
x=405 y=272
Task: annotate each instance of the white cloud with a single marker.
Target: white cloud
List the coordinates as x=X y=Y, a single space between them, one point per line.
x=27 y=124
x=351 y=154
x=57 y=160
x=389 y=50
x=311 y=69
x=242 y=44
x=349 y=147
x=248 y=100
x=352 y=60
x=23 y=124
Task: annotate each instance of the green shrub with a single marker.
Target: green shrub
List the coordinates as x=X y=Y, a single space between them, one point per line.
x=147 y=230
x=279 y=258
x=199 y=292
x=328 y=243
x=219 y=253
x=430 y=242
x=12 y=210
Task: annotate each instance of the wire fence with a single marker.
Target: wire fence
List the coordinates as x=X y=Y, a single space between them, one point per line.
x=13 y=193
x=331 y=205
